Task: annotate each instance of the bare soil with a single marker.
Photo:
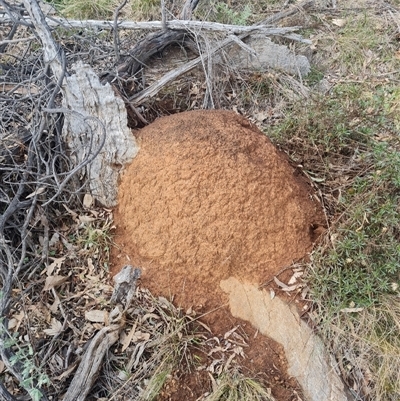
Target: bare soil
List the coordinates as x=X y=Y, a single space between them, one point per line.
x=209 y=197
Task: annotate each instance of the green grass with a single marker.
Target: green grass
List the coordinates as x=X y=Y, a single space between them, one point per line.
x=146 y=9
x=220 y=11
x=172 y=349
x=84 y=9
x=349 y=140
x=337 y=139
x=365 y=45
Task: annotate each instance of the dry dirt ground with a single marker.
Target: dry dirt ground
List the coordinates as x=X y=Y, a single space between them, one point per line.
x=209 y=197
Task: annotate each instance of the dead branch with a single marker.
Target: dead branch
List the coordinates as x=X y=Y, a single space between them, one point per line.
x=116 y=35
x=91 y=363
x=52 y=53
x=153 y=89
x=8 y=41
x=198 y=26
x=84 y=94
x=37 y=174
x=149 y=46
x=92 y=360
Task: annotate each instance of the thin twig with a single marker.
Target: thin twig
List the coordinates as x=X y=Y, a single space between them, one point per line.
x=163 y=16
x=8 y=41
x=116 y=36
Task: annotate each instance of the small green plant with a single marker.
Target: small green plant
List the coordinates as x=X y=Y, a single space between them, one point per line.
x=314 y=76
x=363 y=264
x=233 y=386
x=226 y=15
x=94 y=238
x=32 y=378
x=221 y=12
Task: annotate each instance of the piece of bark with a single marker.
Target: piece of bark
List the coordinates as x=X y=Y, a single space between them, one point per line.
x=97 y=118
x=90 y=98
x=125 y=285
x=92 y=360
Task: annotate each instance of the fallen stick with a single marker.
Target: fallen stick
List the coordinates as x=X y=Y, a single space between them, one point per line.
x=153 y=89
x=91 y=363
x=266 y=29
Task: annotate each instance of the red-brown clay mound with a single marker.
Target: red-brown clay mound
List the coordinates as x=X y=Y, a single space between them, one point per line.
x=209 y=197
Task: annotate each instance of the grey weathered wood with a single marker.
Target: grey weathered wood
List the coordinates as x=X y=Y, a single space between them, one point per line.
x=92 y=361
x=125 y=285
x=95 y=112
x=84 y=92
x=153 y=89
x=156 y=25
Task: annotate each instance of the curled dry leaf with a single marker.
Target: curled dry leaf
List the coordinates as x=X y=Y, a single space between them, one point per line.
x=54 y=239
x=86 y=219
x=87 y=201
x=214 y=350
x=55 y=328
x=228 y=334
x=295 y=276
x=229 y=361
x=53 y=282
x=67 y=372
x=238 y=350
x=15 y=321
x=304 y=292
x=284 y=286
x=139 y=336
x=73 y=214
x=36 y=192
x=127 y=338
x=12 y=323
x=90 y=265
x=54 y=306
x=279 y=283
x=97 y=316
x=150 y=316
x=56 y=263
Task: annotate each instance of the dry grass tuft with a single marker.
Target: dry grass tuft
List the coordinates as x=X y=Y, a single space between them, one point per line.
x=233 y=386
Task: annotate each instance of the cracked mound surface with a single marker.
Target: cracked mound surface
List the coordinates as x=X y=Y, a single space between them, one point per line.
x=209 y=197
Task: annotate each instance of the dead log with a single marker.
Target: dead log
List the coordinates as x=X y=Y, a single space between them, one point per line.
x=190 y=26
x=147 y=48
x=279 y=54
